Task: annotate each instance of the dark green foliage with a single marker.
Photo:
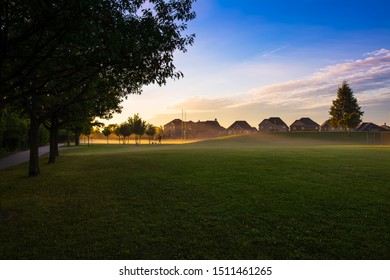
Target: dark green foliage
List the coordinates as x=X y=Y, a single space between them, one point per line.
x=345 y=111
x=65 y=61
x=13 y=131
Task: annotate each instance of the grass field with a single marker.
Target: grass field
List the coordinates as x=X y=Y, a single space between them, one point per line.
x=264 y=196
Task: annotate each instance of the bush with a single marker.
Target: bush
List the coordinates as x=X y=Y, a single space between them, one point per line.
x=13 y=132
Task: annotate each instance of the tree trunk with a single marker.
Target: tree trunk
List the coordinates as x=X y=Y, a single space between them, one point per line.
x=76 y=138
x=67 y=137
x=34 y=169
x=53 y=140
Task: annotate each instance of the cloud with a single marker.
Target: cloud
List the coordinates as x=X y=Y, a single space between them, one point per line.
x=377 y=52
x=369 y=78
x=205 y=104
x=312 y=95
x=273 y=51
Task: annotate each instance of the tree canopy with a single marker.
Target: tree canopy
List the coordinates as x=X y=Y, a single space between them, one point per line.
x=55 y=55
x=345 y=111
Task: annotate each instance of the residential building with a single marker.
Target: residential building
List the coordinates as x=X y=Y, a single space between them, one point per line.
x=327 y=127
x=273 y=124
x=240 y=127
x=371 y=127
x=174 y=129
x=177 y=129
x=304 y=124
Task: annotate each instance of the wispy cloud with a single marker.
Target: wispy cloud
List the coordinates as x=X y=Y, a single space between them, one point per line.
x=377 y=52
x=273 y=51
x=368 y=77
x=205 y=104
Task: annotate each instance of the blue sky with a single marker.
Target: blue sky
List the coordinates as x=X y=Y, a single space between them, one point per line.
x=258 y=59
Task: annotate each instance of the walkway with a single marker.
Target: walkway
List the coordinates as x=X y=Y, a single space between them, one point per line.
x=21 y=157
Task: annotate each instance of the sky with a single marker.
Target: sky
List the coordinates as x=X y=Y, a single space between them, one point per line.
x=256 y=59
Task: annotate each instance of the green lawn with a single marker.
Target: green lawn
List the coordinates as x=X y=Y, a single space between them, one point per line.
x=265 y=196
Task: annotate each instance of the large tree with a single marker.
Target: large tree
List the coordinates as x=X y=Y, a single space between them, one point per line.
x=54 y=53
x=345 y=111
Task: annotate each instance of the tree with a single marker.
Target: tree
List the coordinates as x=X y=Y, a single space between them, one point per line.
x=345 y=111
x=52 y=53
x=150 y=131
x=13 y=131
x=108 y=130
x=138 y=127
x=125 y=130
x=160 y=130
x=118 y=132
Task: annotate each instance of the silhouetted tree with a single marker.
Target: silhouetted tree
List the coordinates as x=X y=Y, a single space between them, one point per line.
x=117 y=132
x=108 y=130
x=150 y=131
x=125 y=130
x=345 y=111
x=138 y=127
x=50 y=51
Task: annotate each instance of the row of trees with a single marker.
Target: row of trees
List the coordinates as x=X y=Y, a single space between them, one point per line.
x=65 y=62
x=134 y=126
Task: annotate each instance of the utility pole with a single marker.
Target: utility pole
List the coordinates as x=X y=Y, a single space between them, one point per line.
x=185 y=125
x=182 y=125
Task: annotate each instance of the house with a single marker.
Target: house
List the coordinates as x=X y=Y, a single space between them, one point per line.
x=304 y=124
x=207 y=129
x=385 y=126
x=371 y=127
x=326 y=126
x=174 y=129
x=273 y=124
x=177 y=129
x=240 y=127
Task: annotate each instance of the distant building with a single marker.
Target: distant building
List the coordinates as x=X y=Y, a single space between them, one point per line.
x=304 y=124
x=327 y=127
x=177 y=129
x=208 y=129
x=174 y=129
x=273 y=124
x=385 y=126
x=371 y=127
x=240 y=127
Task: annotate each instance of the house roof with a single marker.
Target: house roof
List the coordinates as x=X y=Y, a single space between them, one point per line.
x=175 y=122
x=369 y=126
x=242 y=124
x=275 y=121
x=385 y=126
x=305 y=122
x=326 y=123
x=211 y=124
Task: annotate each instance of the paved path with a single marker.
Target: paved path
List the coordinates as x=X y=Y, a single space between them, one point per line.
x=21 y=157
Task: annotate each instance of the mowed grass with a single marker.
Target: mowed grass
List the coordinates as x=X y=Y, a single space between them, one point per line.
x=264 y=196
